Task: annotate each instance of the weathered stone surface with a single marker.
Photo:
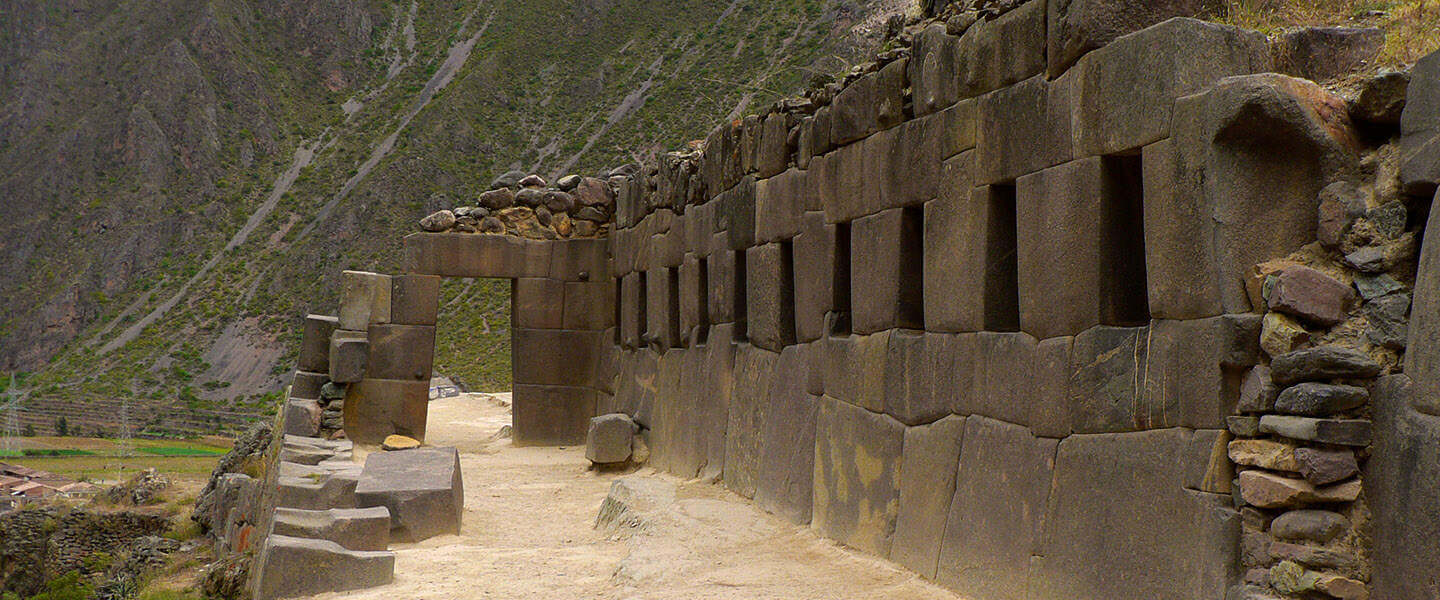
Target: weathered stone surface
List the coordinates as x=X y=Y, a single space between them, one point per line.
x=1153 y=540
x=909 y=387
x=786 y=473
x=414 y=299
x=997 y=512
x=302 y=417
x=1422 y=360
x=315 y=342
x=1322 y=362
x=570 y=356
x=857 y=464
x=1185 y=378
x=469 y=255
x=307 y=385
x=1321 y=53
x=814 y=268
x=1269 y=490
x=1105 y=392
x=378 y=408
x=1076 y=27
x=1125 y=91
x=1257 y=392
x=1343 y=432
x=1004 y=374
x=1319 y=399
x=349 y=354
x=1050 y=414
x=1389 y=318
x=552 y=415
x=1291 y=578
x=364 y=299
x=1311 y=295
x=351 y=528
x=927 y=485
x=1023 y=128
x=1402 y=488
x=1310 y=556
x=1207 y=468
x=589 y=305
x=1309 y=525
x=1060 y=213
x=1340 y=204
x=959 y=264
x=1243 y=426
x=934 y=68
x=438 y=221
x=1213 y=209
x=1276 y=456
x=886 y=271
x=291 y=566
x=1420 y=128
x=538 y=302
x=995 y=53
x=401 y=352
x=421 y=488
x=608 y=439
x=1281 y=334
x=1322 y=466
x=753 y=374
x=322 y=489
x=770 y=296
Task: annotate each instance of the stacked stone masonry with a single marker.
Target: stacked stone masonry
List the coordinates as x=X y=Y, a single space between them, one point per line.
x=1040 y=304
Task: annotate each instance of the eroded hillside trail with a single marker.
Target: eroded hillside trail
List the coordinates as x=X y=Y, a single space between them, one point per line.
x=528 y=533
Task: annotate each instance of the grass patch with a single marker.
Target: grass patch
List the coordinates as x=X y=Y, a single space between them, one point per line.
x=1412 y=27
x=177 y=451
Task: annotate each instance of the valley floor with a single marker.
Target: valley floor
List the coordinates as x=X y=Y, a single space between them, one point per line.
x=528 y=533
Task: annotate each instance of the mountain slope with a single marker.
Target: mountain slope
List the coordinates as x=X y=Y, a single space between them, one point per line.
x=187 y=179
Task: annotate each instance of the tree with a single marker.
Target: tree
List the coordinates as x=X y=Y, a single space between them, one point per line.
x=62 y=427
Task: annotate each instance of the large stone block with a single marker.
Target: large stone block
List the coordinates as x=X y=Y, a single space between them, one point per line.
x=857 y=472
x=470 y=255
x=662 y=307
x=844 y=188
x=960 y=263
x=315 y=342
x=414 y=299
x=538 y=303
x=1125 y=91
x=1080 y=26
x=1216 y=203
x=1023 y=128
x=726 y=287
x=886 y=271
x=779 y=204
x=589 y=305
x=378 y=408
x=852 y=114
x=1422 y=361
x=996 y=53
x=1402 y=487
x=783 y=484
x=307 y=384
x=302 y=417
x=1154 y=539
x=555 y=356
x=855 y=369
x=1004 y=378
x=1420 y=128
x=1193 y=370
x=749 y=407
x=552 y=415
x=955 y=364
x=774 y=148
x=770 y=296
x=422 y=489
x=349 y=353
x=352 y=528
x=401 y=352
x=910 y=392
x=1081 y=241
x=814 y=276
x=289 y=567
x=934 y=70
x=364 y=299
x=632 y=310
x=735 y=215
x=998 y=509
x=927 y=486
x=1106 y=391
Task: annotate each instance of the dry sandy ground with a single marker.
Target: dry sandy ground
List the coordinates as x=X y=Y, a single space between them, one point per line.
x=529 y=532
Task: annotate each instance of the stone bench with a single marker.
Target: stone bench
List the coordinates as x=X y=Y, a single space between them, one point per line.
x=421 y=487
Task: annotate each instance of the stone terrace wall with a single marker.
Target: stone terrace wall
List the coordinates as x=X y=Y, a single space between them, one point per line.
x=988 y=306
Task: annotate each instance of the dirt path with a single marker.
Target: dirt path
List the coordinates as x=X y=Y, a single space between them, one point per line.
x=529 y=533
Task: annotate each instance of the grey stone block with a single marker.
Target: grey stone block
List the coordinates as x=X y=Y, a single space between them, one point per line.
x=364 y=299
x=1125 y=91
x=1422 y=360
x=307 y=385
x=1153 y=540
x=1420 y=128
x=1050 y=414
x=774 y=150
x=421 y=488
x=857 y=470
x=401 y=352
x=1344 y=432
x=351 y=528
x=552 y=415
x=290 y=567
x=315 y=342
x=378 y=408
x=886 y=272
x=555 y=356
x=302 y=417
x=1107 y=378
x=753 y=374
x=934 y=70
x=927 y=485
x=998 y=510
x=349 y=354
x=1079 y=26
x=786 y=473
x=1023 y=128
x=608 y=441
x=996 y=53
x=414 y=299
x=323 y=491
x=814 y=262
x=779 y=205
x=1402 y=487
x=770 y=296
x=538 y=303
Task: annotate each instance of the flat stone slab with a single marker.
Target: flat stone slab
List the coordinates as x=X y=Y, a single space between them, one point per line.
x=421 y=487
x=318 y=492
x=291 y=566
x=352 y=528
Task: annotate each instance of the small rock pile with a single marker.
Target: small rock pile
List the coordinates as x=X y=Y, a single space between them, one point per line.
x=526 y=206
x=1337 y=314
